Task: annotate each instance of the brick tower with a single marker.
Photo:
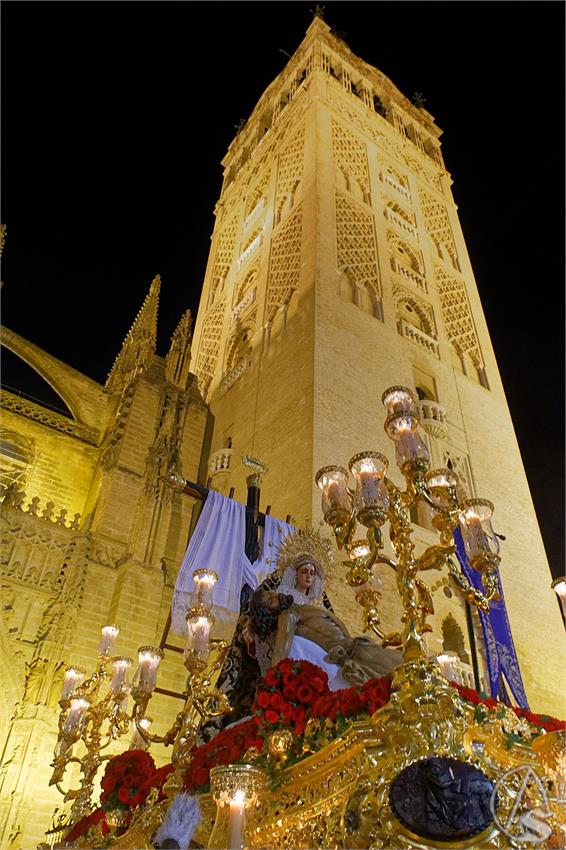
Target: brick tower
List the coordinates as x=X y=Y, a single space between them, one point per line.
x=338 y=268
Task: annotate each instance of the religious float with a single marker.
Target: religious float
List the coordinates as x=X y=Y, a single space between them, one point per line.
x=353 y=743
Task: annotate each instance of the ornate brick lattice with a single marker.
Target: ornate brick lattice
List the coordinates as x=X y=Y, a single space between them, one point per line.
x=257 y=193
x=285 y=264
x=290 y=172
x=369 y=123
x=438 y=226
x=356 y=249
x=224 y=254
x=350 y=156
x=209 y=347
x=457 y=315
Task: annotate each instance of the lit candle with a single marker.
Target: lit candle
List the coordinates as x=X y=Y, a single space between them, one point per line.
x=119 y=680
x=108 y=639
x=73 y=677
x=146 y=674
x=237 y=820
x=76 y=715
x=333 y=494
x=408 y=444
x=476 y=537
x=137 y=742
x=205 y=580
x=368 y=490
x=199 y=623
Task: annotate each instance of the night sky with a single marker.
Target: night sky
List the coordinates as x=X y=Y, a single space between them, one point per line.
x=115 y=119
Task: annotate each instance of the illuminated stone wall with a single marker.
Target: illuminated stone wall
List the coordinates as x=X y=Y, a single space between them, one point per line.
x=112 y=558
x=338 y=268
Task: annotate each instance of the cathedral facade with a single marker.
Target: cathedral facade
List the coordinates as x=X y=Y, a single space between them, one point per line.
x=338 y=268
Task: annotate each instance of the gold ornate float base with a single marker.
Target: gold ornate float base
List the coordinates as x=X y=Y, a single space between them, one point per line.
x=339 y=797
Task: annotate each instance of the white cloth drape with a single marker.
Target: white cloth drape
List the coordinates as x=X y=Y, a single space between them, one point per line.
x=217 y=543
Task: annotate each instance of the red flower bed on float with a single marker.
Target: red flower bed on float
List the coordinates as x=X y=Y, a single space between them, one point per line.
x=287 y=697
x=126 y=784
x=541 y=721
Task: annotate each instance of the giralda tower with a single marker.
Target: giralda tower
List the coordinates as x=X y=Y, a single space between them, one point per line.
x=338 y=268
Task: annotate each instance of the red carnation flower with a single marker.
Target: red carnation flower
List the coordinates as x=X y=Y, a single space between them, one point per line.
x=305 y=694
x=271 y=716
x=318 y=684
x=124 y=794
x=271 y=678
x=290 y=692
x=290 y=679
x=263 y=699
x=286 y=665
x=286 y=710
x=275 y=700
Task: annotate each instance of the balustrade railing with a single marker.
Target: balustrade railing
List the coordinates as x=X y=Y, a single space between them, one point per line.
x=219 y=461
x=250 y=250
x=417 y=336
x=433 y=418
x=242 y=305
x=233 y=375
x=400 y=222
x=386 y=178
x=409 y=274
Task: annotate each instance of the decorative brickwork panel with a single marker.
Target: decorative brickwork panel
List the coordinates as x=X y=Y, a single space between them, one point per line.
x=224 y=254
x=291 y=163
x=438 y=226
x=285 y=264
x=356 y=249
x=256 y=194
x=209 y=347
x=457 y=315
x=350 y=157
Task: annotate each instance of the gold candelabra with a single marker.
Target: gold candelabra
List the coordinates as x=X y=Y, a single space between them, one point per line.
x=97 y=720
x=203 y=658
x=92 y=719
x=375 y=500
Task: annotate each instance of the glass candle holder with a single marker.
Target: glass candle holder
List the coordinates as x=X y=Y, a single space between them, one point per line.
x=235 y=789
x=108 y=639
x=149 y=659
x=559 y=585
x=73 y=677
x=399 y=401
x=205 y=581
x=442 y=484
x=409 y=448
x=477 y=533
x=359 y=549
x=76 y=716
x=120 y=667
x=137 y=742
x=371 y=499
x=336 y=502
x=199 y=624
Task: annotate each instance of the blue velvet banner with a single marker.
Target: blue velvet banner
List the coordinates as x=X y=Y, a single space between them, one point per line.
x=500 y=649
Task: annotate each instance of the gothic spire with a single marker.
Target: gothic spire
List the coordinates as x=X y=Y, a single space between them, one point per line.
x=178 y=357
x=139 y=346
